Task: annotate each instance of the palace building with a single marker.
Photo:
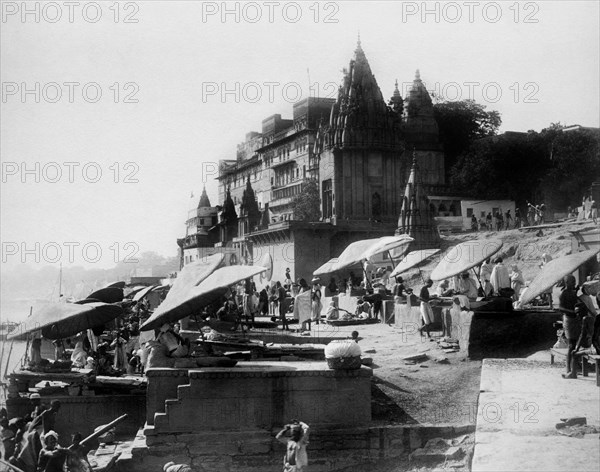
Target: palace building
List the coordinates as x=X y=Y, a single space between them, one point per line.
x=355 y=153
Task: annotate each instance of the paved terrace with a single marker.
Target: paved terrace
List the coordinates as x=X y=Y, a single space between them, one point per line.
x=520 y=403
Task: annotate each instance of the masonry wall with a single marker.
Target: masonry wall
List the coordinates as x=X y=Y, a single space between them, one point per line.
x=311 y=250
x=84 y=413
x=257 y=395
x=282 y=254
x=329 y=449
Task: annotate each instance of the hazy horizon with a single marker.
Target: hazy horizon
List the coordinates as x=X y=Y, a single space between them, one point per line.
x=112 y=115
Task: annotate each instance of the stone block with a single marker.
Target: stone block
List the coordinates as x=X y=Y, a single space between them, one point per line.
x=415 y=439
x=266 y=394
x=426 y=455
x=355 y=444
x=160 y=439
x=225 y=449
x=168 y=449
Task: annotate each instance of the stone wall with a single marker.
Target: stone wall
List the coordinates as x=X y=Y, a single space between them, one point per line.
x=494 y=334
x=257 y=395
x=84 y=413
x=257 y=450
x=503 y=335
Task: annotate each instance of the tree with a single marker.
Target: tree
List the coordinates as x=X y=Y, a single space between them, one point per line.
x=307 y=204
x=554 y=167
x=506 y=166
x=574 y=164
x=461 y=123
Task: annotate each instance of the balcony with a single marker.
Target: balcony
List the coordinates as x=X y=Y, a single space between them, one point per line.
x=287 y=192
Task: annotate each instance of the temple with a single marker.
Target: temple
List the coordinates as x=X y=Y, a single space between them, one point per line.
x=349 y=158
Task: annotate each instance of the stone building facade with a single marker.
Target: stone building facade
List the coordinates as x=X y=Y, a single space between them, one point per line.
x=200 y=236
x=358 y=148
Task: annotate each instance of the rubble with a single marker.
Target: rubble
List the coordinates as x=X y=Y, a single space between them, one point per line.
x=416 y=357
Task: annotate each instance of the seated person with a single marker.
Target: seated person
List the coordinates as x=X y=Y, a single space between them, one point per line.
x=333 y=288
x=104 y=361
x=79 y=355
x=411 y=298
x=332 y=311
x=467 y=286
x=590 y=330
x=363 y=308
x=443 y=289
x=175 y=344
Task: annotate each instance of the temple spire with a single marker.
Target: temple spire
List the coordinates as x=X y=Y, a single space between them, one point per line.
x=360 y=117
x=416 y=218
x=204 y=200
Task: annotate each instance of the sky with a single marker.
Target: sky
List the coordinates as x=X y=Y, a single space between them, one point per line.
x=115 y=113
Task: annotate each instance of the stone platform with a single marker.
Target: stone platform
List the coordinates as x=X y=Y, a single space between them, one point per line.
x=254 y=395
x=520 y=403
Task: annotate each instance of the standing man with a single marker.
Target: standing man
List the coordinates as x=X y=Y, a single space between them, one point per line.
x=281 y=298
x=488 y=221
x=571 y=323
x=296 y=458
x=485 y=275
x=499 y=278
x=517 y=218
x=316 y=305
x=426 y=311
x=287 y=282
x=508 y=219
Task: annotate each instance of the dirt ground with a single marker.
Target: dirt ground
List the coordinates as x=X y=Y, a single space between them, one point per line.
x=444 y=387
x=439 y=390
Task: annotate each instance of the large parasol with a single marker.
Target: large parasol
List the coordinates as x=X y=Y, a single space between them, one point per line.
x=412 y=259
x=62 y=320
x=326 y=268
x=554 y=271
x=194 y=273
x=107 y=295
x=464 y=256
x=388 y=244
x=142 y=293
x=119 y=284
x=182 y=303
x=133 y=290
x=358 y=251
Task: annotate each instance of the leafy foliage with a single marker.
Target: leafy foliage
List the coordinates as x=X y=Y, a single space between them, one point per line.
x=307 y=204
x=553 y=166
x=574 y=165
x=461 y=123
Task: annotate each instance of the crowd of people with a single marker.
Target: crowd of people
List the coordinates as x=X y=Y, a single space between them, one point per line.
x=31 y=444
x=500 y=220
